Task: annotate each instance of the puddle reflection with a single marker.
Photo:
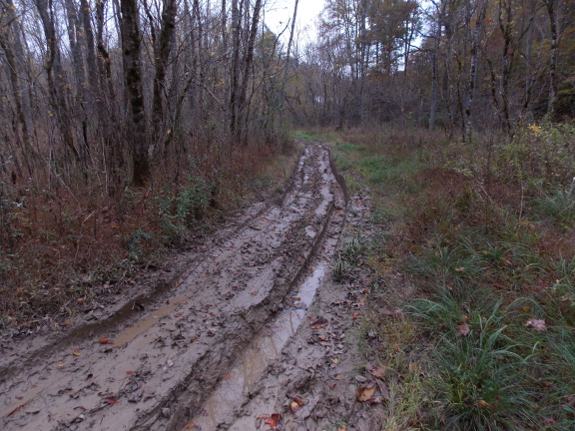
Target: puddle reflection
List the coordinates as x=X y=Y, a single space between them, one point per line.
x=251 y=364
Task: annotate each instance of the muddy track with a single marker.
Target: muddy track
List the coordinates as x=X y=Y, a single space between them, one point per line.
x=167 y=359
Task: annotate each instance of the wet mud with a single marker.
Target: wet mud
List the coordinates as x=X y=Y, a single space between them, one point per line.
x=202 y=351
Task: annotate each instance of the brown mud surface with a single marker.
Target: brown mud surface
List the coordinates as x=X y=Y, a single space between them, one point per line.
x=252 y=335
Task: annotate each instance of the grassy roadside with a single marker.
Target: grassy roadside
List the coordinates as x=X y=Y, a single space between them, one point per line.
x=472 y=307
x=62 y=248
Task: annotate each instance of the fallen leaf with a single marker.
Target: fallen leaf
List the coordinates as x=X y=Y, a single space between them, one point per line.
x=111 y=400
x=460 y=268
x=318 y=322
x=366 y=392
x=335 y=361
x=383 y=389
x=273 y=420
x=481 y=403
x=342 y=428
x=103 y=340
x=76 y=352
x=80 y=301
x=354 y=315
x=60 y=364
x=170 y=363
x=129 y=373
x=379 y=373
x=462 y=330
x=360 y=379
x=526 y=309
x=294 y=406
x=537 y=324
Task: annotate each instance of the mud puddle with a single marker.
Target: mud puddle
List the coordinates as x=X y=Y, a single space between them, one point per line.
x=252 y=363
x=147 y=322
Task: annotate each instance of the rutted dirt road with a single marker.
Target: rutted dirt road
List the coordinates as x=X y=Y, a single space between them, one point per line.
x=206 y=353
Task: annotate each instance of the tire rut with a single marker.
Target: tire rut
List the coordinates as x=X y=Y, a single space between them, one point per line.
x=165 y=365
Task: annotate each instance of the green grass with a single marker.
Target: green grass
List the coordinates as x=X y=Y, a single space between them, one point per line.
x=480 y=255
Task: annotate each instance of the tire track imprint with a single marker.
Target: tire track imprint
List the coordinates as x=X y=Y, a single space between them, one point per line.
x=163 y=367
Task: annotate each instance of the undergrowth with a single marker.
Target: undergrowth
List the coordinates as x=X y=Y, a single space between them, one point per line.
x=475 y=245
x=65 y=239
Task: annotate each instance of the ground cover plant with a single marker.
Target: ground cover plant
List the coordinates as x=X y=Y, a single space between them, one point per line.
x=472 y=250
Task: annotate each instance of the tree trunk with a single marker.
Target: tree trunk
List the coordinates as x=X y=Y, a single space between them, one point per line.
x=131 y=41
x=57 y=86
x=473 y=66
x=162 y=51
x=552 y=13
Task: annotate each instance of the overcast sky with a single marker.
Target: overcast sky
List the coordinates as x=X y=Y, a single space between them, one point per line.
x=280 y=12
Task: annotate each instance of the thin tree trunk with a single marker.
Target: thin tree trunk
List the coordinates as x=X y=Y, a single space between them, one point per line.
x=473 y=67
x=552 y=13
x=288 y=53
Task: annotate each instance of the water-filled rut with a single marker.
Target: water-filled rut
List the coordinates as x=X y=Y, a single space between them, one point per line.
x=218 y=327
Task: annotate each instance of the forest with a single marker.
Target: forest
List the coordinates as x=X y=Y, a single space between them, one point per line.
x=132 y=129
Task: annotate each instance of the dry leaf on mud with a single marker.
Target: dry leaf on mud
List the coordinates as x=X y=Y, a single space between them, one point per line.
x=462 y=330
x=354 y=315
x=366 y=392
x=111 y=400
x=296 y=404
x=318 y=323
x=272 y=420
x=379 y=373
x=76 y=352
x=384 y=390
x=537 y=324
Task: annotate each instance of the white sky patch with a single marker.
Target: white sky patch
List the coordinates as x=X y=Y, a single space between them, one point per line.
x=278 y=13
